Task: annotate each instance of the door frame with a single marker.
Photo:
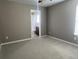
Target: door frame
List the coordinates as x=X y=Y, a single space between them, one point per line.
x=40 y=22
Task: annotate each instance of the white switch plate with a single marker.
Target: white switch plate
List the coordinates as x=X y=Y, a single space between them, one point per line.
x=6 y=37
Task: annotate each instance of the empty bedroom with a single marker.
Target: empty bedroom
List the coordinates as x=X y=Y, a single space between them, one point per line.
x=39 y=29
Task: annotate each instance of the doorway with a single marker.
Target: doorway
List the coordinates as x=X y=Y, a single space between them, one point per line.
x=35 y=23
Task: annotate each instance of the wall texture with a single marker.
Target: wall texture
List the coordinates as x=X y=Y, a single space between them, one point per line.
x=61 y=20
x=16 y=21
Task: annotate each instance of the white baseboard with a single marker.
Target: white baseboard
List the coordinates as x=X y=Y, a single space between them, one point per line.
x=63 y=41
x=12 y=42
x=17 y=41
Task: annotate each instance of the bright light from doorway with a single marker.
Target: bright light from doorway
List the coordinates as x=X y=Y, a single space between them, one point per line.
x=77 y=20
x=38 y=18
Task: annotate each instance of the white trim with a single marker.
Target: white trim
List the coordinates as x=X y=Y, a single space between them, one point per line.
x=31 y=23
x=40 y=24
x=63 y=40
x=22 y=40
x=17 y=41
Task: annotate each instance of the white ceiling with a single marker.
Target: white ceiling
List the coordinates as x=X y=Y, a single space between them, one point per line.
x=45 y=3
x=29 y=2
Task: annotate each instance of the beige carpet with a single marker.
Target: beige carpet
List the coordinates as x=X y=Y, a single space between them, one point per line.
x=40 y=48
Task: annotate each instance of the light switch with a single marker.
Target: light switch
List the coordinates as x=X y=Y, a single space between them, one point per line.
x=6 y=37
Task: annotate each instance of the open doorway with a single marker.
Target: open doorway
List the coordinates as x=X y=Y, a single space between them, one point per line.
x=35 y=24
x=76 y=33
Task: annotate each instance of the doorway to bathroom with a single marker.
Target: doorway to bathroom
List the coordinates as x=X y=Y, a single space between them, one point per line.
x=35 y=23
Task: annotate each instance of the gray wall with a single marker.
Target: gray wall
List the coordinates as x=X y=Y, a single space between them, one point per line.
x=61 y=20
x=0 y=23
x=43 y=20
x=16 y=21
x=0 y=32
